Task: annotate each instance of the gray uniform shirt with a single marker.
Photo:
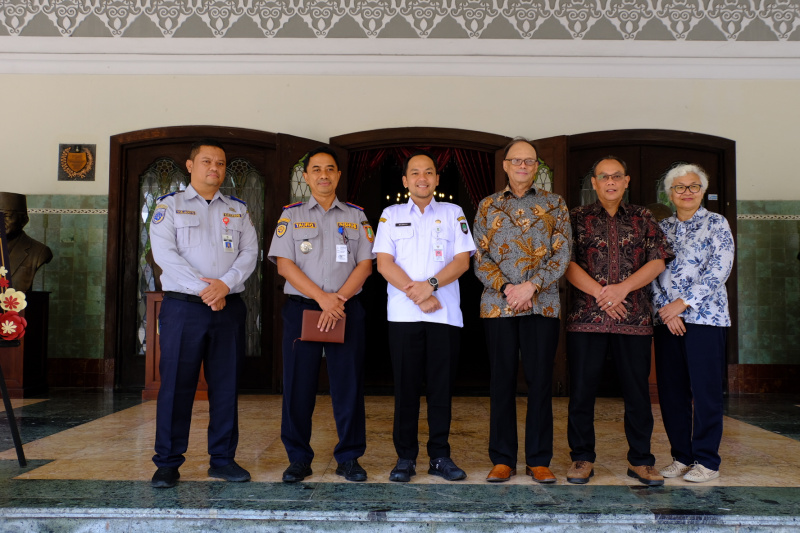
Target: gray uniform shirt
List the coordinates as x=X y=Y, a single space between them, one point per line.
x=308 y=222
x=189 y=240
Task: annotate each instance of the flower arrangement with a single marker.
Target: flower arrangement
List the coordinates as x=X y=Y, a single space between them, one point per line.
x=12 y=325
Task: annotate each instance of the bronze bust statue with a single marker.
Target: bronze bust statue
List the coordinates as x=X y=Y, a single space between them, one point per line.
x=25 y=255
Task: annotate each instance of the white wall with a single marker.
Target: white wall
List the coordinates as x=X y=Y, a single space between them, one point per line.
x=41 y=111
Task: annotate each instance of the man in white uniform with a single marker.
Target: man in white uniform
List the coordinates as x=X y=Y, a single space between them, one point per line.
x=423 y=247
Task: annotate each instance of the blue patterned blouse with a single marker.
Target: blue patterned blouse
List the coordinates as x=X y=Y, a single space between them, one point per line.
x=703 y=261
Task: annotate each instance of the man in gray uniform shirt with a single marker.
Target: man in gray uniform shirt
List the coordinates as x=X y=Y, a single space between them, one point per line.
x=207 y=247
x=323 y=248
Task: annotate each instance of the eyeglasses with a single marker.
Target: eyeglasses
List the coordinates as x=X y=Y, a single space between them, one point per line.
x=693 y=188
x=518 y=162
x=612 y=177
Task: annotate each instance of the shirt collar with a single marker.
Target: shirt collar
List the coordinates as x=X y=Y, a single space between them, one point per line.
x=191 y=193
x=412 y=207
x=312 y=202
x=507 y=192
x=698 y=216
x=598 y=208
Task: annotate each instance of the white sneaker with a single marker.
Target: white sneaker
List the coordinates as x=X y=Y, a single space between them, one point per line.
x=676 y=469
x=700 y=474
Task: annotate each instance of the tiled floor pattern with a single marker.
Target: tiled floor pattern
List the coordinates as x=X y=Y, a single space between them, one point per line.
x=118 y=446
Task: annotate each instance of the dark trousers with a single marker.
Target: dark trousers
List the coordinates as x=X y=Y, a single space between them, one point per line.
x=423 y=351
x=586 y=353
x=301 y=362
x=690 y=370
x=534 y=338
x=191 y=334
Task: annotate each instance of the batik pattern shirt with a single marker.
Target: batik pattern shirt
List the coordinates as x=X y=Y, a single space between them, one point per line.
x=704 y=250
x=519 y=240
x=611 y=249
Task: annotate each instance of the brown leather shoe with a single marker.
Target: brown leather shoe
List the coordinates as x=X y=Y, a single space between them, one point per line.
x=646 y=474
x=580 y=472
x=540 y=474
x=500 y=473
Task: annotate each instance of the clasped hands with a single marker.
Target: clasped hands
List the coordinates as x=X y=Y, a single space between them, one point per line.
x=332 y=305
x=421 y=293
x=214 y=294
x=670 y=316
x=520 y=297
x=611 y=299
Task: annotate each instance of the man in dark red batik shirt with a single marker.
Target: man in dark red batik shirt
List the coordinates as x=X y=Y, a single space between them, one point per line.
x=618 y=250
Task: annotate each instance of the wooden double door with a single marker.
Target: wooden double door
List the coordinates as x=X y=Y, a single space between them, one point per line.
x=272 y=156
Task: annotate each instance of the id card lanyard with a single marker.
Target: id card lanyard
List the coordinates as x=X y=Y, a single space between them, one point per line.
x=227 y=238
x=342 y=249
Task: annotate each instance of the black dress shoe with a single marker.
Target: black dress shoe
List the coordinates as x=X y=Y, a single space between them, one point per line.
x=351 y=471
x=230 y=472
x=296 y=472
x=446 y=468
x=404 y=470
x=165 y=477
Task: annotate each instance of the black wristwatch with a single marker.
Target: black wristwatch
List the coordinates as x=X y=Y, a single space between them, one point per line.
x=434 y=283
x=503 y=289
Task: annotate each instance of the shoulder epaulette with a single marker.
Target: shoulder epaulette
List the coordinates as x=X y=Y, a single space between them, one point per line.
x=355 y=206
x=293 y=205
x=168 y=194
x=239 y=200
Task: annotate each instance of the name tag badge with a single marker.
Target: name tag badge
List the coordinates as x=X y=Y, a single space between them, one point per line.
x=341 y=253
x=227 y=243
x=438 y=252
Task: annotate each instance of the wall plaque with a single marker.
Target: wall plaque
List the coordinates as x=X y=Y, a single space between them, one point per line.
x=76 y=162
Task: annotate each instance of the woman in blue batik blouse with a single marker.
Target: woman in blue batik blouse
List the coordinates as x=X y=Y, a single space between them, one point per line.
x=692 y=321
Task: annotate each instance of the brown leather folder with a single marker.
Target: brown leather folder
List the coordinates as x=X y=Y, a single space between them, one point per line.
x=311 y=333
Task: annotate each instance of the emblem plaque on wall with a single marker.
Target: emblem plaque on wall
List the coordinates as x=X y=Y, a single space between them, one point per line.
x=76 y=162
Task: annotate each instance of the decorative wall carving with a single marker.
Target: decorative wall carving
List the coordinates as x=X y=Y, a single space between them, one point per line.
x=665 y=20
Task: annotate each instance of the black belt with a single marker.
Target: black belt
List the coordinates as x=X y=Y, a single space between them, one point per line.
x=194 y=299
x=302 y=299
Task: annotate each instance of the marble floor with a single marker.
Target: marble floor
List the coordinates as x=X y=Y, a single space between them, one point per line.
x=93 y=451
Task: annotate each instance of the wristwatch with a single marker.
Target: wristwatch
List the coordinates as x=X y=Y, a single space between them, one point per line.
x=434 y=283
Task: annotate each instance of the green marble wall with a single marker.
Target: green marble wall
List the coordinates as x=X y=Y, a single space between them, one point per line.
x=74 y=227
x=769 y=282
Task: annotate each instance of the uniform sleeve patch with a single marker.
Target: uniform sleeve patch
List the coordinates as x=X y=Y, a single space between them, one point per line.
x=381 y=220
x=159 y=215
x=351 y=225
x=464 y=228
x=282 y=225
x=368 y=230
x=461 y=218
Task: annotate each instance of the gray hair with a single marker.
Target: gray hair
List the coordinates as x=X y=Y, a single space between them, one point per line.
x=682 y=170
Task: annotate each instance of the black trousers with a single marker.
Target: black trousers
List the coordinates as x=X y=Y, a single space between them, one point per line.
x=423 y=352
x=191 y=334
x=534 y=338
x=301 y=362
x=690 y=373
x=586 y=353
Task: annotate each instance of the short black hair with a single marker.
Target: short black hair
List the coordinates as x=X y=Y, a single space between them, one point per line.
x=415 y=154
x=320 y=150
x=609 y=158
x=204 y=142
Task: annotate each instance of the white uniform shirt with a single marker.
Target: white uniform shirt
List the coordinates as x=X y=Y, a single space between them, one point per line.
x=188 y=237
x=411 y=237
